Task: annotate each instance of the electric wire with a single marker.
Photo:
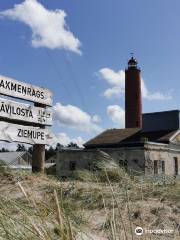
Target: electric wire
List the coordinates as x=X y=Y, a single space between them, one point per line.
x=76 y=84
x=59 y=74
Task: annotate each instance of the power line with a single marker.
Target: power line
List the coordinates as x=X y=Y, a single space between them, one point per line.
x=58 y=72
x=73 y=77
x=80 y=94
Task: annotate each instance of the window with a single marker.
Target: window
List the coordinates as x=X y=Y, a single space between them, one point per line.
x=72 y=165
x=163 y=167
x=89 y=166
x=155 y=167
x=175 y=166
x=135 y=161
x=123 y=163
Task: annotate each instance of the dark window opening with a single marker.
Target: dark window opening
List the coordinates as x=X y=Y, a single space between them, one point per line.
x=163 y=167
x=135 y=161
x=123 y=163
x=175 y=166
x=89 y=166
x=72 y=165
x=155 y=167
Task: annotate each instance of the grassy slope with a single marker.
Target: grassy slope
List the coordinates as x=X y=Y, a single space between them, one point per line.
x=29 y=208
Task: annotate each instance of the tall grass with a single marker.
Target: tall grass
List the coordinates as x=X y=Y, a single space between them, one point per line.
x=41 y=207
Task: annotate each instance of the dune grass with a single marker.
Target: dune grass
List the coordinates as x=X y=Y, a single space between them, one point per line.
x=96 y=205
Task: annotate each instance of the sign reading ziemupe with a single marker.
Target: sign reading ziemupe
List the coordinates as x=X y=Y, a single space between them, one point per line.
x=17 y=89
x=25 y=134
x=25 y=112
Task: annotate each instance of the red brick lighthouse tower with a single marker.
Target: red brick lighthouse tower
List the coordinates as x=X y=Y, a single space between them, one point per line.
x=133 y=102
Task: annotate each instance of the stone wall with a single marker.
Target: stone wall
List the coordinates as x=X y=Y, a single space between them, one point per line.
x=160 y=153
x=136 y=159
x=82 y=158
x=130 y=158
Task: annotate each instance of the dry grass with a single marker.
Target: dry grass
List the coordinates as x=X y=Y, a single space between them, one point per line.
x=41 y=207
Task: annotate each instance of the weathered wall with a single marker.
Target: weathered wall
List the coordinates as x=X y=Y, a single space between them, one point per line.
x=133 y=158
x=140 y=159
x=161 y=153
x=83 y=159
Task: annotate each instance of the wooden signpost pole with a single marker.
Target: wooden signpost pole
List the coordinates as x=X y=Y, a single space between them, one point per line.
x=38 y=158
x=38 y=155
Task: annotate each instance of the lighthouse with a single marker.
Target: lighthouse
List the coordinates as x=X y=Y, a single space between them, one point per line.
x=133 y=101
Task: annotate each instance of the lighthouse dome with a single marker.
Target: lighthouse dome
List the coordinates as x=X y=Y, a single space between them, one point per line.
x=132 y=62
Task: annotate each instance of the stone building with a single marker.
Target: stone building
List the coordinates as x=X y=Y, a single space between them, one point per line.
x=149 y=143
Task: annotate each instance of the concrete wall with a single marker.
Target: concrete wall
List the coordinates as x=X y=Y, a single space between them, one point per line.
x=132 y=158
x=140 y=159
x=83 y=158
x=161 y=153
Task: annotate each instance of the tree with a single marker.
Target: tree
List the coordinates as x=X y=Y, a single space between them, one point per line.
x=30 y=150
x=72 y=145
x=50 y=152
x=4 y=150
x=21 y=148
x=59 y=146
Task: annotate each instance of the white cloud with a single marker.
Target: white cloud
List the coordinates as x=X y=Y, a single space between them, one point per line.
x=73 y=117
x=117 y=82
x=114 y=91
x=49 y=28
x=153 y=96
x=117 y=115
x=115 y=79
x=96 y=119
x=64 y=139
x=112 y=77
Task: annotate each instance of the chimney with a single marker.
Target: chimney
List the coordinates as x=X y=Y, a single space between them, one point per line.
x=133 y=102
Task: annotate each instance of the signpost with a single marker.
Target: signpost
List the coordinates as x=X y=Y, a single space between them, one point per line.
x=24 y=112
x=17 y=115
x=21 y=90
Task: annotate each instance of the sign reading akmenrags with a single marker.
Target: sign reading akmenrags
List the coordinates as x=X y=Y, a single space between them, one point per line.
x=17 y=89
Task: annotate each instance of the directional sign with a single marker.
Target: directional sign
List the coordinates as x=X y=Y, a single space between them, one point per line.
x=25 y=134
x=17 y=89
x=25 y=112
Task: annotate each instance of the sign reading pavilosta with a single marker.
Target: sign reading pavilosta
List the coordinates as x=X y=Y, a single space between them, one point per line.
x=25 y=112
x=17 y=89
x=14 y=116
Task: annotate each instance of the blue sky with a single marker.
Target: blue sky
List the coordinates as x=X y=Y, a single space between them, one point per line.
x=81 y=57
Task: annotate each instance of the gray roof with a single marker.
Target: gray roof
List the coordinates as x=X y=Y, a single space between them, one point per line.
x=10 y=157
x=157 y=127
x=160 y=121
